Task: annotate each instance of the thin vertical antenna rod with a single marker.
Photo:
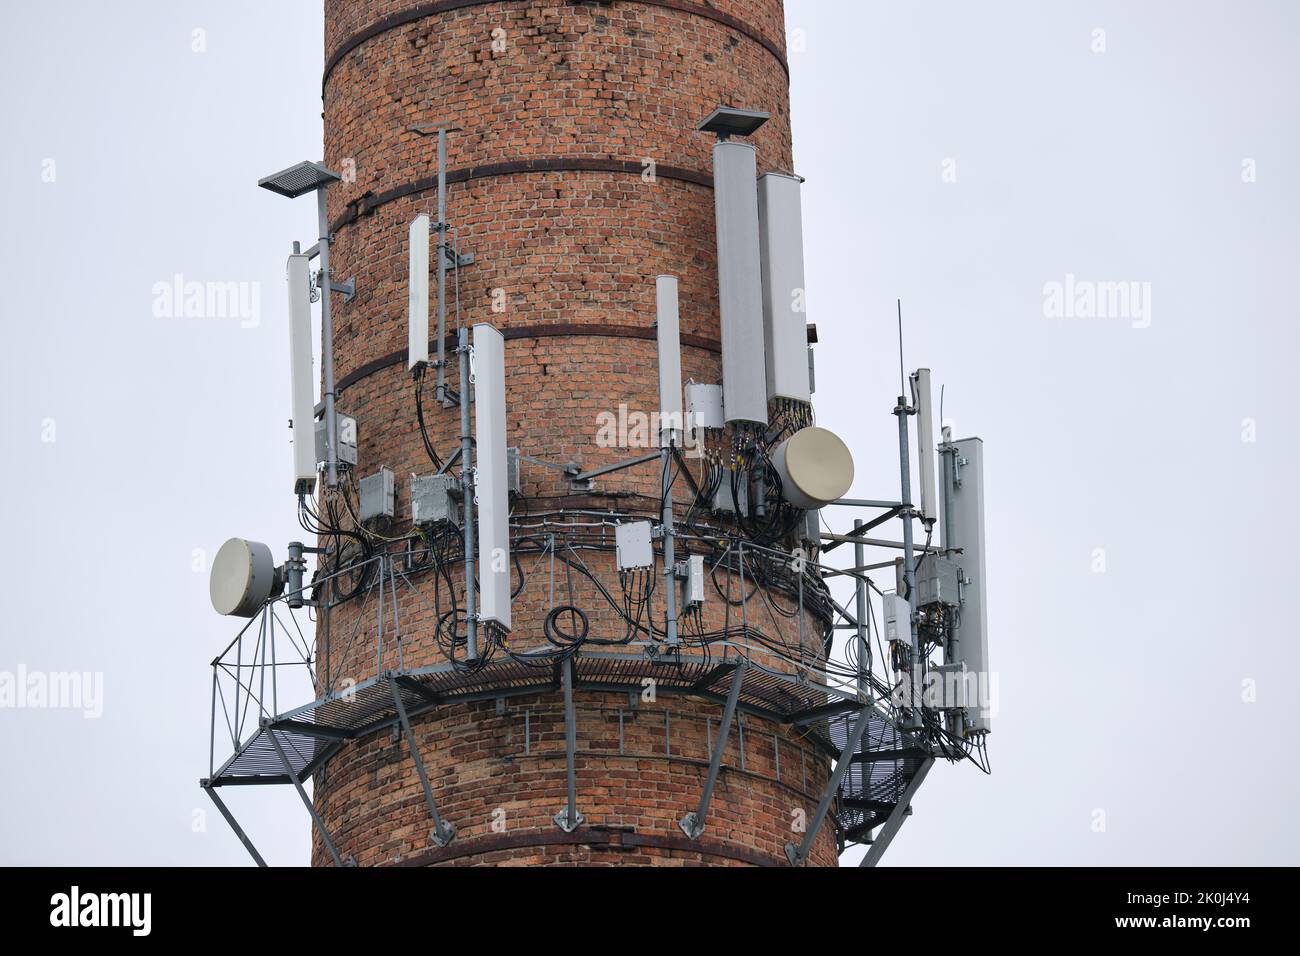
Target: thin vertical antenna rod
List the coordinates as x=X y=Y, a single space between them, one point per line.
x=902 y=376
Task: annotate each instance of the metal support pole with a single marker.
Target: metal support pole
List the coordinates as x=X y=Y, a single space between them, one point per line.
x=443 y=832
x=302 y=793
x=860 y=608
x=670 y=557
x=569 y=819
x=239 y=831
x=693 y=823
x=897 y=816
x=440 y=390
x=909 y=566
x=467 y=497
x=327 y=341
x=798 y=855
x=294 y=570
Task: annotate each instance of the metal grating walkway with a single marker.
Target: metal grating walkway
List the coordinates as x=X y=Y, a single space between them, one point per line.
x=873 y=785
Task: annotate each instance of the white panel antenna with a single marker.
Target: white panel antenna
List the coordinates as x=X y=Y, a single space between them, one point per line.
x=785 y=323
x=922 y=399
x=963 y=529
x=668 y=327
x=491 y=476
x=740 y=283
x=417 y=300
x=302 y=385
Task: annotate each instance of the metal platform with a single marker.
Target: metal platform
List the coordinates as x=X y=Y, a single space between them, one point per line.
x=289 y=747
x=877 y=762
x=313 y=731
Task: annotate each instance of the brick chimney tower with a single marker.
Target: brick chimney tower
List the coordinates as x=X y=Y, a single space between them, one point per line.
x=576 y=177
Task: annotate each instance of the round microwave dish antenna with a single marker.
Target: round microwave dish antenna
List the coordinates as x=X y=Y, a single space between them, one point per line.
x=815 y=466
x=243 y=577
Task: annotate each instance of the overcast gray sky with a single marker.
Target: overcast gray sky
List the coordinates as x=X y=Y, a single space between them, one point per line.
x=964 y=157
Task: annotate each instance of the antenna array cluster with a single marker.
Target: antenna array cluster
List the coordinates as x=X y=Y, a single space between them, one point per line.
x=764 y=489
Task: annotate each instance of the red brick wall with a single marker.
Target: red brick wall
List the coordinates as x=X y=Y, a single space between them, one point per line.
x=623 y=81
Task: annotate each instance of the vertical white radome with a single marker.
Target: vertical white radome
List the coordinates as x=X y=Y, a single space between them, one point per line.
x=785 y=323
x=668 y=333
x=301 y=382
x=964 y=530
x=740 y=283
x=491 y=476
x=922 y=399
x=417 y=296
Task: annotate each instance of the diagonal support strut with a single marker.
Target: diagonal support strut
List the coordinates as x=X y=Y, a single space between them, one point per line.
x=302 y=793
x=798 y=855
x=443 y=832
x=230 y=819
x=693 y=823
x=569 y=819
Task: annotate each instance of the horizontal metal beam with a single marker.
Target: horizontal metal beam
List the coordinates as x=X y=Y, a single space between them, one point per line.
x=880 y=756
x=323 y=731
x=610 y=469
x=861 y=530
x=254 y=780
x=864 y=503
x=865 y=803
x=833 y=709
x=875 y=543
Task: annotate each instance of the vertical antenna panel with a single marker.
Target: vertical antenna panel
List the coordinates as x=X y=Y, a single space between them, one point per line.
x=491 y=476
x=921 y=398
x=785 y=323
x=964 y=529
x=417 y=298
x=740 y=284
x=668 y=326
x=303 y=403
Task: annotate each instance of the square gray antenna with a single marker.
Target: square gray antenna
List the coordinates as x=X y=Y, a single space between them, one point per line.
x=298 y=180
x=726 y=121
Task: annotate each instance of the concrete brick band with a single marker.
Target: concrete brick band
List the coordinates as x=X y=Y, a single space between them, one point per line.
x=597 y=840
x=532 y=332
x=393 y=21
x=366 y=204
